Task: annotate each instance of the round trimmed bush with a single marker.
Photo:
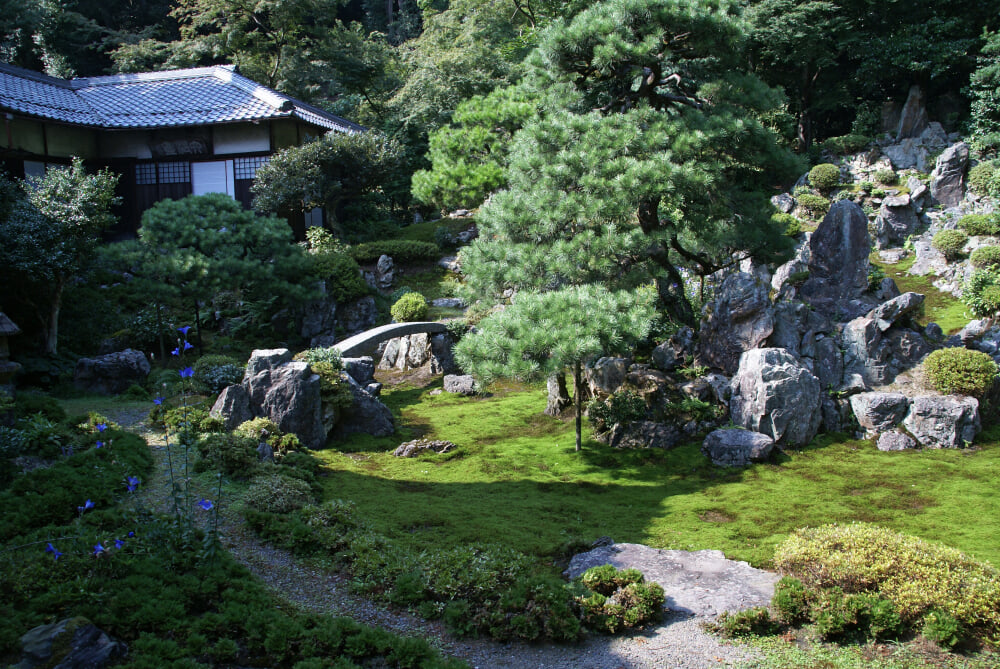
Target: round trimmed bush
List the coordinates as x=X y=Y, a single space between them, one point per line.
x=277 y=494
x=789 y=223
x=410 y=307
x=950 y=243
x=985 y=256
x=814 y=204
x=980 y=224
x=960 y=371
x=984 y=178
x=886 y=177
x=824 y=177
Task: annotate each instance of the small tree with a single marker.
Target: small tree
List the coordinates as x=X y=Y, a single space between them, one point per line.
x=544 y=333
x=48 y=236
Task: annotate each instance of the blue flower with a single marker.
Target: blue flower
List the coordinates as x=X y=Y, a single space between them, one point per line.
x=187 y=345
x=98 y=549
x=176 y=351
x=132 y=483
x=158 y=400
x=86 y=506
x=206 y=504
x=187 y=373
x=119 y=543
x=101 y=427
x=131 y=534
x=56 y=554
x=184 y=330
x=99 y=444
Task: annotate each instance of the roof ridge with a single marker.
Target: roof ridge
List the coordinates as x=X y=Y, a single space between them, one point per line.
x=259 y=91
x=39 y=77
x=158 y=75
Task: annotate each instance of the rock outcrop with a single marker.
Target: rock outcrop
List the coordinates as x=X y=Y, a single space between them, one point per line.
x=948 y=177
x=838 y=257
x=112 y=373
x=417 y=351
x=736 y=447
x=738 y=320
x=460 y=384
x=949 y=421
x=71 y=643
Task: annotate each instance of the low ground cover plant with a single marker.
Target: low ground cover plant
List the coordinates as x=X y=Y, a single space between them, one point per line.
x=985 y=256
x=980 y=224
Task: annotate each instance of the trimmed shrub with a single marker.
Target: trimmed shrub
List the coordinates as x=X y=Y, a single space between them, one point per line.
x=791 y=601
x=950 y=243
x=410 y=307
x=330 y=356
x=277 y=494
x=215 y=372
x=985 y=256
x=532 y=609
x=792 y=225
x=232 y=454
x=824 y=177
x=814 y=204
x=915 y=575
x=742 y=624
x=980 y=224
x=886 y=177
x=401 y=251
x=984 y=178
x=866 y=186
x=341 y=274
x=845 y=144
x=960 y=371
x=619 y=599
x=942 y=628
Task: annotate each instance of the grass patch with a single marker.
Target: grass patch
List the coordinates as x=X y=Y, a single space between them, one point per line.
x=939 y=307
x=517 y=478
x=424 y=232
x=787 y=654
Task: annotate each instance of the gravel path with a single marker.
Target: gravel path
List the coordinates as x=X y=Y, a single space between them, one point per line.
x=678 y=642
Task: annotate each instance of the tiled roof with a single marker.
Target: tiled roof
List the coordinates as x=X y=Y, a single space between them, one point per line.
x=196 y=96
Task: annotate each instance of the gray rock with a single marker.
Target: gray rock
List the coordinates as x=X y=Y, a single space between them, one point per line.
x=374 y=389
x=736 y=447
x=918 y=193
x=893 y=256
x=460 y=384
x=360 y=369
x=112 y=373
x=896 y=221
x=419 y=352
x=907 y=154
x=973 y=331
x=784 y=203
x=913 y=118
x=466 y=236
x=642 y=434
x=289 y=394
x=776 y=395
x=879 y=412
x=738 y=320
x=450 y=263
x=606 y=375
x=366 y=415
x=839 y=250
x=319 y=318
x=933 y=332
x=829 y=366
x=948 y=177
x=894 y=441
x=449 y=303
x=700 y=583
x=781 y=276
x=73 y=643
x=864 y=352
x=359 y=315
x=233 y=407
x=442 y=356
x=837 y=416
x=949 y=421
x=887 y=290
x=264 y=452
x=671 y=354
x=888 y=313
x=721 y=390
x=412 y=449
x=384 y=272
x=558 y=396
x=263 y=359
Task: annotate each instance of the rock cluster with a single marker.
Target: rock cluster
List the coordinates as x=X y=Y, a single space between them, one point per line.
x=112 y=373
x=416 y=351
x=411 y=449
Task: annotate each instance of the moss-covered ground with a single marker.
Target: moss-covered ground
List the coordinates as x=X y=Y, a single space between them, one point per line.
x=516 y=479
x=939 y=307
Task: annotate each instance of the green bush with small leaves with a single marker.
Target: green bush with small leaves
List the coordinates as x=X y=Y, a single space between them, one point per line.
x=619 y=599
x=228 y=453
x=984 y=178
x=400 y=250
x=942 y=628
x=341 y=275
x=866 y=186
x=410 y=307
x=915 y=575
x=275 y=493
x=977 y=292
x=816 y=205
x=985 y=256
x=792 y=225
x=960 y=371
x=791 y=601
x=950 y=243
x=748 y=623
x=330 y=355
x=851 y=143
x=824 y=177
x=215 y=372
x=980 y=224
x=886 y=177
x=622 y=407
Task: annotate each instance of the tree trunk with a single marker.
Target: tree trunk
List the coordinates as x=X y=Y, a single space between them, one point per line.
x=159 y=329
x=578 y=400
x=52 y=329
x=804 y=129
x=671 y=287
x=197 y=325
x=558 y=396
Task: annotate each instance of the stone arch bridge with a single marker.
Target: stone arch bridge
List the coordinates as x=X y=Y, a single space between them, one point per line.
x=366 y=342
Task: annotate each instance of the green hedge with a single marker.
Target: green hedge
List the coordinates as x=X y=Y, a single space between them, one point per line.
x=400 y=250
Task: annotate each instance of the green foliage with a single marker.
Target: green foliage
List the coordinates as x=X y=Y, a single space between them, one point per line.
x=341 y=274
x=410 y=307
x=335 y=392
x=328 y=355
x=622 y=407
x=886 y=177
x=791 y=601
x=984 y=178
x=942 y=628
x=400 y=250
x=28 y=403
x=275 y=493
x=866 y=186
x=846 y=144
x=984 y=85
x=282 y=444
x=951 y=243
x=824 y=177
x=960 y=371
x=215 y=372
x=918 y=577
x=816 y=205
x=330 y=172
x=618 y=599
x=532 y=609
x=792 y=225
x=980 y=224
x=748 y=623
x=979 y=292
x=875 y=276
x=985 y=256
x=229 y=453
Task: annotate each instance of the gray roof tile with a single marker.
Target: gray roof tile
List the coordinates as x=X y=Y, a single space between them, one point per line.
x=196 y=96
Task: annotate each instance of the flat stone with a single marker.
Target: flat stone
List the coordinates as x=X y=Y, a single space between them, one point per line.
x=700 y=583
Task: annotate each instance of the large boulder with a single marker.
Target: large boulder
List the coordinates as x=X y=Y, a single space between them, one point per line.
x=606 y=375
x=736 y=447
x=913 y=118
x=838 y=259
x=417 y=351
x=112 y=373
x=384 y=272
x=366 y=414
x=460 y=384
x=671 y=354
x=558 y=395
x=289 y=394
x=888 y=313
x=875 y=351
x=738 y=320
x=642 y=434
x=948 y=421
x=948 y=177
x=73 y=643
x=896 y=221
x=360 y=369
x=233 y=407
x=776 y=395
x=319 y=320
x=879 y=412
